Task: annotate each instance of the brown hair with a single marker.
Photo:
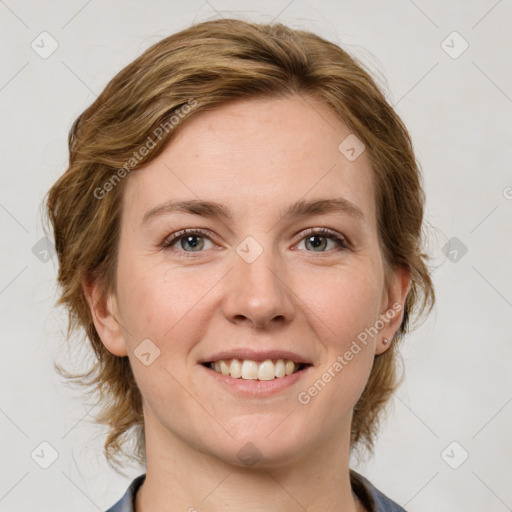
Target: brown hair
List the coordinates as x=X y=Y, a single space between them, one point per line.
x=207 y=65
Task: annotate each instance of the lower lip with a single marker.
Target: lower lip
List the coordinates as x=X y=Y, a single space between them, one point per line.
x=257 y=388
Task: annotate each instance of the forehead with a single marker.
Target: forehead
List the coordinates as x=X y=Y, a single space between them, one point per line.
x=255 y=155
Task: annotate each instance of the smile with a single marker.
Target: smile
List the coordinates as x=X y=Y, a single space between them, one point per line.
x=248 y=369
x=246 y=382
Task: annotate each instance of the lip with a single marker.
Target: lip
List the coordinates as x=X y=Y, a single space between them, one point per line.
x=256 y=388
x=258 y=356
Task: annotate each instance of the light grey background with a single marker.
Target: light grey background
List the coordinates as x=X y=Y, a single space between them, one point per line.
x=458 y=110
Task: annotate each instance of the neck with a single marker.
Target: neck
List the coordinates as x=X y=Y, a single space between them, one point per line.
x=181 y=477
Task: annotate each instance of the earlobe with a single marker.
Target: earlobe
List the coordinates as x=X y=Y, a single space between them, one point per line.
x=105 y=315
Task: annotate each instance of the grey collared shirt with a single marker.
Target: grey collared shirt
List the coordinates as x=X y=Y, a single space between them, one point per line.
x=371 y=497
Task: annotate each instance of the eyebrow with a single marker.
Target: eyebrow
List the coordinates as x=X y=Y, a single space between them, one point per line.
x=212 y=209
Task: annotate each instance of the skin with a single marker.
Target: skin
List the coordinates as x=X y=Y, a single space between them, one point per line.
x=256 y=156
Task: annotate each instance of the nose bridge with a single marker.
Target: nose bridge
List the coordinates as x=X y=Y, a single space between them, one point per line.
x=257 y=287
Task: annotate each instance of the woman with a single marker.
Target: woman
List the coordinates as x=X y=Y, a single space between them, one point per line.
x=239 y=233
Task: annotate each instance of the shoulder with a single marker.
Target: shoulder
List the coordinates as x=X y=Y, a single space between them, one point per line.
x=127 y=502
x=370 y=496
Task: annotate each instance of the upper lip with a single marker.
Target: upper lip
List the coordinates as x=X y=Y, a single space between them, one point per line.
x=256 y=355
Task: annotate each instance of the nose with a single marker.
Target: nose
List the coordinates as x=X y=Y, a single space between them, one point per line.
x=258 y=294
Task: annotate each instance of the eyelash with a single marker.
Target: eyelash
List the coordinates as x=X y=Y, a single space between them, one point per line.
x=175 y=237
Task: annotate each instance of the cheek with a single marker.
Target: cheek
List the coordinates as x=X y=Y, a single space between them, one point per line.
x=160 y=301
x=345 y=301
x=348 y=306
x=344 y=306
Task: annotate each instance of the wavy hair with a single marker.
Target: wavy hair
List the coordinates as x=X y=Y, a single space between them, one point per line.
x=212 y=63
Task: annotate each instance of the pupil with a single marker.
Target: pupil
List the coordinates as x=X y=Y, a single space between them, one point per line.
x=315 y=245
x=192 y=241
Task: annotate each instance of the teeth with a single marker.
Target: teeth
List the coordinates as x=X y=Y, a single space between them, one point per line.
x=266 y=370
x=252 y=370
x=280 y=368
x=249 y=370
x=224 y=368
x=235 y=369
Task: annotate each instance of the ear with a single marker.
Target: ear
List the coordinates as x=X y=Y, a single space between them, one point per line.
x=105 y=315
x=392 y=308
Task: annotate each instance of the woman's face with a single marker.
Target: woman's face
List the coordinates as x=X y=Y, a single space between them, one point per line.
x=253 y=283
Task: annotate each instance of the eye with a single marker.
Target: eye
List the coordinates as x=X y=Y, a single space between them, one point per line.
x=193 y=238
x=318 y=238
x=198 y=239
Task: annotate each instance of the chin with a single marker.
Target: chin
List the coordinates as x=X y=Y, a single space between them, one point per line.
x=258 y=451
